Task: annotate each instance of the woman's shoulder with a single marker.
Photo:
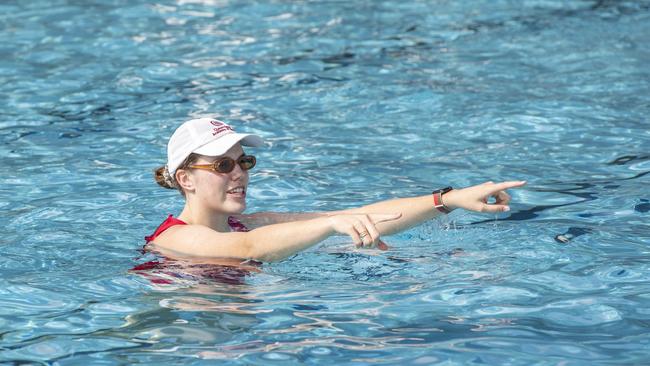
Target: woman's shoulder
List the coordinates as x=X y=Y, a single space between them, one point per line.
x=178 y=235
x=169 y=222
x=234 y=223
x=192 y=242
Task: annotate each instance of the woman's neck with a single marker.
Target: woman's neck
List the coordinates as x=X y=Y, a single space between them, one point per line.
x=198 y=216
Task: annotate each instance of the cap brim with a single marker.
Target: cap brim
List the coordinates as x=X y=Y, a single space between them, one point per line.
x=222 y=145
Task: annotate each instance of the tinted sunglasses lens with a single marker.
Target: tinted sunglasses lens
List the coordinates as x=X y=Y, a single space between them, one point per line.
x=247 y=162
x=225 y=165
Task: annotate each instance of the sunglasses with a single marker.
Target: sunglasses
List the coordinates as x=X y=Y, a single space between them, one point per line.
x=227 y=164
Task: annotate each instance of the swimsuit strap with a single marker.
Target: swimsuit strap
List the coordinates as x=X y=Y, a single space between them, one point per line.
x=171 y=221
x=236 y=225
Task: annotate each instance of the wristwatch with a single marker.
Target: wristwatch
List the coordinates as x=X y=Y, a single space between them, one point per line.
x=437 y=200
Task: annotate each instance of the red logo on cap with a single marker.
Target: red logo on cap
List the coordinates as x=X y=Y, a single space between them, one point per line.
x=221 y=127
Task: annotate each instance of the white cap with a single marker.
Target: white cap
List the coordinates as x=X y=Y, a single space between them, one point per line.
x=204 y=136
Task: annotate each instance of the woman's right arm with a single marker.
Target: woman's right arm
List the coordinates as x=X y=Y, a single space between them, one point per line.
x=271 y=242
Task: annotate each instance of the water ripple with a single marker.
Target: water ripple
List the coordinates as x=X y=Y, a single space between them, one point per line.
x=357 y=102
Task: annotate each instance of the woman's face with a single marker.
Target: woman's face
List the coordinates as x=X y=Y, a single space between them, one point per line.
x=222 y=192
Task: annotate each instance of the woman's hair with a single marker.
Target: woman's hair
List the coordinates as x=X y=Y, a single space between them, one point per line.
x=166 y=180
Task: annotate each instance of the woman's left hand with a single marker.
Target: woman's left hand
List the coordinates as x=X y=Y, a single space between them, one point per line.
x=476 y=198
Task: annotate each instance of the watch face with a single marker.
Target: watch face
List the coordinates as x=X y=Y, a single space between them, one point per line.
x=442 y=190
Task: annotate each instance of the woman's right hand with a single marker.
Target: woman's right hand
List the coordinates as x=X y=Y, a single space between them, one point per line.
x=361 y=227
x=475 y=198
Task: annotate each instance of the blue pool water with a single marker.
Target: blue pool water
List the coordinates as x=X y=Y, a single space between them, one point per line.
x=358 y=101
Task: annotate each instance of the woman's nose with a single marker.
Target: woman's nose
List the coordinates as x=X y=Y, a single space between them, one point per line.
x=237 y=173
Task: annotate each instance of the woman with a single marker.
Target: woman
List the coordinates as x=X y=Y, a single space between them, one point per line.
x=207 y=163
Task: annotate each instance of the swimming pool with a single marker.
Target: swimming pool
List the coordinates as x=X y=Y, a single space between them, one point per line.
x=358 y=101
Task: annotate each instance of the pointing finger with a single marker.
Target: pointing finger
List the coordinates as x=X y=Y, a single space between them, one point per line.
x=507 y=185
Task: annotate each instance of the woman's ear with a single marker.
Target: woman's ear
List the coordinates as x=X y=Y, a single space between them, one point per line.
x=185 y=180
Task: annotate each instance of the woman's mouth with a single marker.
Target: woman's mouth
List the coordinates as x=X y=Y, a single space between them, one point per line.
x=237 y=191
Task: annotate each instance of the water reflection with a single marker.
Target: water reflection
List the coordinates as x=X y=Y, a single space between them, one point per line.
x=206 y=303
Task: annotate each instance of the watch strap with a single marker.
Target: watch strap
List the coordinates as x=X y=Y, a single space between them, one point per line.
x=437 y=200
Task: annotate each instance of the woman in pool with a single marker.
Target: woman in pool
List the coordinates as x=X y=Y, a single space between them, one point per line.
x=207 y=163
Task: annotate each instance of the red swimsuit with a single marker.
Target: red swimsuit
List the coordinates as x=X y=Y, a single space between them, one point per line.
x=161 y=271
x=234 y=224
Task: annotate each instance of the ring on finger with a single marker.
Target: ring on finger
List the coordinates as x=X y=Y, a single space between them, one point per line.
x=363 y=234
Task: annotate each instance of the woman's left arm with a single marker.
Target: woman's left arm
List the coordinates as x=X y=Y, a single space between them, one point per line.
x=416 y=210
x=413 y=210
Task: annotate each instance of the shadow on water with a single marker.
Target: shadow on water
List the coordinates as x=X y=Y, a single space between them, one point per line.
x=623 y=160
x=575 y=190
x=571 y=233
x=643 y=207
x=612 y=9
